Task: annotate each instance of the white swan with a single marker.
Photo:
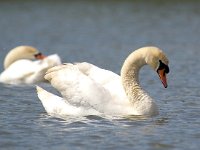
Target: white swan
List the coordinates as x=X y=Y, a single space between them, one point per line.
x=20 y=69
x=89 y=90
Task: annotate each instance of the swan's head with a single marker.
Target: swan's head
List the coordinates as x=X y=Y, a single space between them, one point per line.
x=159 y=62
x=29 y=52
x=26 y=52
x=22 y=52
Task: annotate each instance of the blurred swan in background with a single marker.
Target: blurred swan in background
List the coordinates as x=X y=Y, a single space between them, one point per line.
x=89 y=90
x=19 y=67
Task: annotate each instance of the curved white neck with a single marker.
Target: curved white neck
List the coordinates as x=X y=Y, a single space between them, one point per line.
x=9 y=59
x=14 y=55
x=129 y=76
x=129 y=73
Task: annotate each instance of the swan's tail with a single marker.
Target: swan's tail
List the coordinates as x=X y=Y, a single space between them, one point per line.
x=48 y=100
x=55 y=105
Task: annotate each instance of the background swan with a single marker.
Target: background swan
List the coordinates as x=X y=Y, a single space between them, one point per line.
x=20 y=69
x=88 y=90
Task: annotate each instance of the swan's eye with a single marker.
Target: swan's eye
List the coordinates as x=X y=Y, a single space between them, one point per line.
x=163 y=66
x=38 y=55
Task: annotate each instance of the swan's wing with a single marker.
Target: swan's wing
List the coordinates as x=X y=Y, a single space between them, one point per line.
x=56 y=106
x=42 y=67
x=108 y=79
x=118 y=103
x=81 y=91
x=49 y=61
x=77 y=88
x=27 y=71
x=18 y=72
x=99 y=75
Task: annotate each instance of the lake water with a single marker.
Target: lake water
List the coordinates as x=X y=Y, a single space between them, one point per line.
x=104 y=33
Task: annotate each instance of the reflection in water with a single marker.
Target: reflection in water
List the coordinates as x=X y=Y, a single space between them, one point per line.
x=161 y=121
x=161 y=145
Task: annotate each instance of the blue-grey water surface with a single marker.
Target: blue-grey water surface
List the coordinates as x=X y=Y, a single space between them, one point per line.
x=104 y=33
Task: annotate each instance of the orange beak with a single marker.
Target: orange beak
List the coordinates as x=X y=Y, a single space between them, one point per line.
x=163 y=77
x=39 y=56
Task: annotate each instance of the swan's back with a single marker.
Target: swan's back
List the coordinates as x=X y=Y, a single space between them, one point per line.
x=80 y=85
x=108 y=79
x=99 y=75
x=76 y=87
x=27 y=71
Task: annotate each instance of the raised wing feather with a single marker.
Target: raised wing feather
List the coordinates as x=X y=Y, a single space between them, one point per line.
x=77 y=88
